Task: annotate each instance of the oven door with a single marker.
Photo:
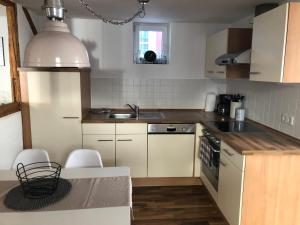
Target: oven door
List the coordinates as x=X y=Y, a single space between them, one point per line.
x=210 y=158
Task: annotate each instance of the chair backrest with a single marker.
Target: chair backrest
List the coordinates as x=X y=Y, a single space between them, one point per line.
x=84 y=158
x=29 y=156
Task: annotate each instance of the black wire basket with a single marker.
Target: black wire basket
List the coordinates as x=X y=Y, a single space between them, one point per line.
x=38 y=180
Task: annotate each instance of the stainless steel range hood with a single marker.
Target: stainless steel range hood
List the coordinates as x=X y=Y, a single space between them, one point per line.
x=234 y=58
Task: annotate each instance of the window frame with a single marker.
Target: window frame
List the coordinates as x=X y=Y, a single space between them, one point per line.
x=14 y=59
x=163 y=27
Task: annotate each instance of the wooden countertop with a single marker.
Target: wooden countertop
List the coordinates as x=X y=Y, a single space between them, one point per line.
x=266 y=141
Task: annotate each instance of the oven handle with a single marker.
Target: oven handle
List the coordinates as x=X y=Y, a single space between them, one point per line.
x=212 y=148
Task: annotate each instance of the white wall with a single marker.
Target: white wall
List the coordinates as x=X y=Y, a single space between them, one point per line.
x=266 y=102
x=116 y=80
x=11 y=138
x=5 y=79
x=25 y=33
x=11 y=142
x=154 y=93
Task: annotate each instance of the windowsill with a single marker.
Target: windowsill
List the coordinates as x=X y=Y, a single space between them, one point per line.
x=8 y=109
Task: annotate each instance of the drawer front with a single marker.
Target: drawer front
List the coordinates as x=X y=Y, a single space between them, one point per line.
x=99 y=128
x=131 y=128
x=237 y=159
x=230 y=190
x=170 y=155
x=105 y=144
x=131 y=151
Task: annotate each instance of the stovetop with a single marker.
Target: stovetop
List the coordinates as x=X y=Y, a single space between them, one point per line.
x=234 y=126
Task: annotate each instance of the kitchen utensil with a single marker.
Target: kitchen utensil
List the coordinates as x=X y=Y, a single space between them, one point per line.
x=240 y=114
x=223 y=107
x=233 y=107
x=210 y=102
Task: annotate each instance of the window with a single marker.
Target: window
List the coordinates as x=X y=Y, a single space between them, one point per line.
x=151 y=37
x=9 y=59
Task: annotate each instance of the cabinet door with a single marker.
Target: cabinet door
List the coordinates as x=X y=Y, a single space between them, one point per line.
x=210 y=60
x=230 y=190
x=217 y=45
x=268 y=45
x=55 y=112
x=131 y=151
x=106 y=146
x=170 y=155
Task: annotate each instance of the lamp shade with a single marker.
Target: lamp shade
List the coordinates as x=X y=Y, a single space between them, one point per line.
x=55 y=46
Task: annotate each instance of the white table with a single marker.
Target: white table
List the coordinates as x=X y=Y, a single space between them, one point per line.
x=98 y=216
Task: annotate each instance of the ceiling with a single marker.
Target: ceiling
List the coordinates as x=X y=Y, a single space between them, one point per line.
x=214 y=11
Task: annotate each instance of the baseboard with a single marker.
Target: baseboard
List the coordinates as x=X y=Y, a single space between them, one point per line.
x=169 y=181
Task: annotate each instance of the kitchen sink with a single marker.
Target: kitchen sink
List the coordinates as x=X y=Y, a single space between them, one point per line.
x=122 y=115
x=151 y=115
x=142 y=115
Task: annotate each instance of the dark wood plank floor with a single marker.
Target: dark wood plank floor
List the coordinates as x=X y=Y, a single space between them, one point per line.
x=186 y=205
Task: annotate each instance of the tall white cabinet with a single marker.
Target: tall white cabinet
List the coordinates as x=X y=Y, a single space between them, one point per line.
x=275 y=45
x=53 y=106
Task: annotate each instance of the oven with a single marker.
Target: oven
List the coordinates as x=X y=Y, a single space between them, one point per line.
x=210 y=157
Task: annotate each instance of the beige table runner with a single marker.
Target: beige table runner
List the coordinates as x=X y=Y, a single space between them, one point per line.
x=86 y=193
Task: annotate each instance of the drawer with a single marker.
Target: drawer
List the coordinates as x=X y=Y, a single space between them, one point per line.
x=131 y=128
x=98 y=128
x=237 y=159
x=105 y=144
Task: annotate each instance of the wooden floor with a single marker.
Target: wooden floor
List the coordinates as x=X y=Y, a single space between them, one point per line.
x=184 y=205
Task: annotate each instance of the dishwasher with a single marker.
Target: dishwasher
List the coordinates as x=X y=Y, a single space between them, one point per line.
x=171 y=150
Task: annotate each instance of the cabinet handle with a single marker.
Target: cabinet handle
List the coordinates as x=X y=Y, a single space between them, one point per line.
x=220 y=72
x=70 y=117
x=210 y=71
x=227 y=152
x=255 y=73
x=125 y=140
x=104 y=140
x=222 y=163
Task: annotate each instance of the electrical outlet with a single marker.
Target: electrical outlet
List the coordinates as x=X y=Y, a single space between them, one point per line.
x=292 y=121
x=283 y=118
x=287 y=119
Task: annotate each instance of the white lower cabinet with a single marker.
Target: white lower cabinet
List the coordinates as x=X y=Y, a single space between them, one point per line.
x=170 y=155
x=105 y=144
x=230 y=189
x=131 y=151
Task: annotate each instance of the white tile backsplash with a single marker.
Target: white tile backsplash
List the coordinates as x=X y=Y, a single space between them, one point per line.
x=266 y=102
x=153 y=93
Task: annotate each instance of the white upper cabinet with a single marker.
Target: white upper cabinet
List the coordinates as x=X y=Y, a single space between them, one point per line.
x=216 y=46
x=268 y=45
x=232 y=40
x=276 y=46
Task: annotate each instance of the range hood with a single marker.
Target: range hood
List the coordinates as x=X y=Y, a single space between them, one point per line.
x=234 y=58
x=55 y=46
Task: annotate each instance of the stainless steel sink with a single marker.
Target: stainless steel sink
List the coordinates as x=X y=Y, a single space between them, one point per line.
x=142 y=115
x=122 y=115
x=151 y=115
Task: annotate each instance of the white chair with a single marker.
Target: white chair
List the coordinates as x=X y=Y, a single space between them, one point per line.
x=29 y=156
x=84 y=158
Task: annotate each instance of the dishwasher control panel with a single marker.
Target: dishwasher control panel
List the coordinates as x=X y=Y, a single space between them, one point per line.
x=171 y=128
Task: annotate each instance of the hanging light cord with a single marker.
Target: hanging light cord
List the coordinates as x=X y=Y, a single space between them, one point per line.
x=140 y=13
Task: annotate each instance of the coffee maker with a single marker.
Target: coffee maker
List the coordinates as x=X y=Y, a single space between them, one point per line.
x=223 y=106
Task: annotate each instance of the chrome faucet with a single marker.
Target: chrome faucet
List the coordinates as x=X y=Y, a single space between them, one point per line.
x=135 y=109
